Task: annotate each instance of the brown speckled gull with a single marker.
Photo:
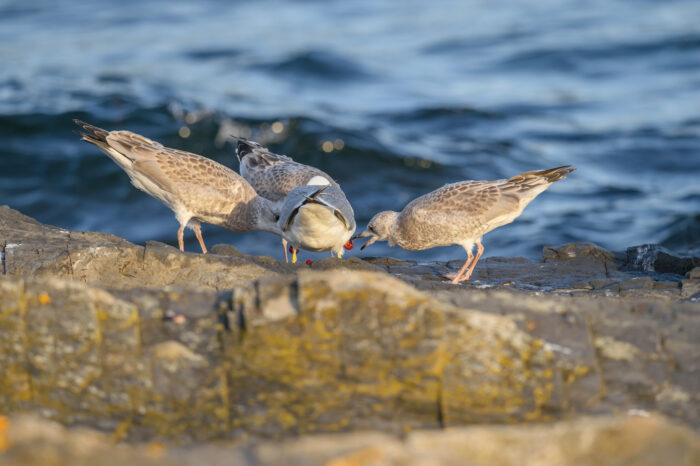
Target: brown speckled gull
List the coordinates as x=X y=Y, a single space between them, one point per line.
x=196 y=188
x=321 y=222
x=460 y=213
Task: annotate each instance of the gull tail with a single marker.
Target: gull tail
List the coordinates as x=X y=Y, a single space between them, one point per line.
x=98 y=137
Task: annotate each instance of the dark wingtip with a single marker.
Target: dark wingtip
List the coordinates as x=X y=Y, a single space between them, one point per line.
x=93 y=132
x=559 y=173
x=320 y=190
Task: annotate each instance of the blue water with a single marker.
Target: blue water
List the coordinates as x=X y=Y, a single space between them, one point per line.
x=420 y=94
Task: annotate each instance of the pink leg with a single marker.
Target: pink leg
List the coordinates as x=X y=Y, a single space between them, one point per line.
x=284 y=246
x=198 y=234
x=180 y=239
x=457 y=278
x=332 y=255
x=479 y=252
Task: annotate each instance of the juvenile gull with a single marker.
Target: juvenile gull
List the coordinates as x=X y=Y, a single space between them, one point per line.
x=315 y=223
x=460 y=213
x=196 y=188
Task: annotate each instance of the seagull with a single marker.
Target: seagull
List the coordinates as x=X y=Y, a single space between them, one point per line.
x=317 y=218
x=197 y=189
x=321 y=222
x=460 y=213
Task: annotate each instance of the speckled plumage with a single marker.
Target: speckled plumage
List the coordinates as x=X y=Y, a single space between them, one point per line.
x=196 y=188
x=460 y=213
x=311 y=218
x=273 y=176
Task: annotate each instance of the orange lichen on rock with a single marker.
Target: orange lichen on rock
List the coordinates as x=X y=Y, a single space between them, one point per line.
x=4 y=431
x=44 y=298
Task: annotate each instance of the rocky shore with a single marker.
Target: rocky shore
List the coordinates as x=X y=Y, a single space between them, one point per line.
x=147 y=344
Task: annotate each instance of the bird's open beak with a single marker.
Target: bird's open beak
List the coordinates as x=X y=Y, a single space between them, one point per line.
x=365 y=234
x=370 y=241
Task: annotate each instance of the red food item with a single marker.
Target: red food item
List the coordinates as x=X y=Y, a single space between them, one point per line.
x=308 y=261
x=291 y=249
x=349 y=245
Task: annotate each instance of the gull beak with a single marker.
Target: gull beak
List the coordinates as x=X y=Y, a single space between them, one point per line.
x=370 y=241
x=364 y=234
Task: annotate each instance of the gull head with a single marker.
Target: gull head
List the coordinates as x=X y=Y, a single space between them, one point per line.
x=379 y=228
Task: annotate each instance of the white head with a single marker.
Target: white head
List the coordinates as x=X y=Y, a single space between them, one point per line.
x=379 y=228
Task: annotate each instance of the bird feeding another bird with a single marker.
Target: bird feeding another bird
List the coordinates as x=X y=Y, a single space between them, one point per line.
x=305 y=206
x=314 y=212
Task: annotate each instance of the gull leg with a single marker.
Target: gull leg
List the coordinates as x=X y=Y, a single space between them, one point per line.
x=479 y=252
x=284 y=246
x=198 y=234
x=180 y=239
x=457 y=278
x=332 y=253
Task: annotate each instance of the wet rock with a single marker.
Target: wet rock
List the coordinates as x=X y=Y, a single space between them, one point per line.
x=603 y=283
x=416 y=270
x=349 y=263
x=575 y=251
x=636 y=283
x=385 y=261
x=690 y=288
x=664 y=285
x=655 y=258
x=561 y=268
